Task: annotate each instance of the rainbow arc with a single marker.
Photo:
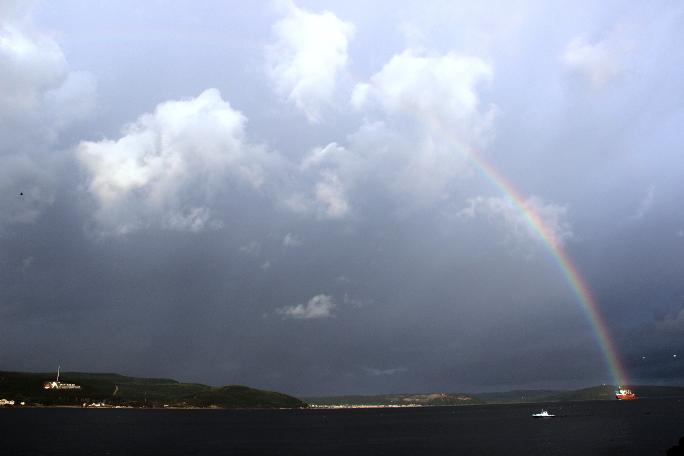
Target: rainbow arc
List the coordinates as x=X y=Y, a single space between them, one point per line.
x=570 y=272
x=554 y=246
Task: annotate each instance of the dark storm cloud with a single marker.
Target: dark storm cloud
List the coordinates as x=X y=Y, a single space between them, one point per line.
x=240 y=214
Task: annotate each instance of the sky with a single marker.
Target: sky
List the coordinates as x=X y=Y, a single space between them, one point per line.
x=300 y=196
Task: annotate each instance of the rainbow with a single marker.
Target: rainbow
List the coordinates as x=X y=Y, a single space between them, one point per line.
x=554 y=245
x=569 y=270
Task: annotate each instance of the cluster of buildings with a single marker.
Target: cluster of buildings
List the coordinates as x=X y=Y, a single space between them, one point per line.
x=9 y=403
x=362 y=406
x=57 y=385
x=60 y=386
x=94 y=405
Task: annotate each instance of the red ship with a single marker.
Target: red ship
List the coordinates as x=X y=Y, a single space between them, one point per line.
x=624 y=394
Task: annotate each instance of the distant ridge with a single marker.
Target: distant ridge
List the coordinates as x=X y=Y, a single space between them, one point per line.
x=593 y=393
x=430 y=399
x=116 y=389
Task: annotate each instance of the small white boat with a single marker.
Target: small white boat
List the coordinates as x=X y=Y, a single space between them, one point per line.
x=543 y=414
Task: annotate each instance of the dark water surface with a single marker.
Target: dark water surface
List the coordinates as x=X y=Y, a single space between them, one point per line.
x=641 y=427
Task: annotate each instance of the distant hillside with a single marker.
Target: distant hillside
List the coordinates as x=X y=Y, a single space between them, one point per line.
x=397 y=399
x=115 y=389
x=658 y=391
x=594 y=393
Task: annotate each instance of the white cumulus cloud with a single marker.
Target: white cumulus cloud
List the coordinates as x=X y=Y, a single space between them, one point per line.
x=441 y=91
x=309 y=52
x=552 y=216
x=423 y=115
x=320 y=306
x=166 y=168
x=32 y=65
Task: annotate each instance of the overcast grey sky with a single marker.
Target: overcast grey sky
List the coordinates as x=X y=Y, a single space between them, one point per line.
x=284 y=195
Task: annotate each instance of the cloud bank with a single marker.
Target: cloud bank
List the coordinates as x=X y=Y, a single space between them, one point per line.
x=40 y=96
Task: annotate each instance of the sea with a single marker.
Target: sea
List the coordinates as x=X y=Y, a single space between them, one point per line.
x=641 y=427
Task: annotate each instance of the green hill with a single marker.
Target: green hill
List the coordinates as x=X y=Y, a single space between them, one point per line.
x=115 y=389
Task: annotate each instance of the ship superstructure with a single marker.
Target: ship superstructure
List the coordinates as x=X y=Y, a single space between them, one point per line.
x=624 y=394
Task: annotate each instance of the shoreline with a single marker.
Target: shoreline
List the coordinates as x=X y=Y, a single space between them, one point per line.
x=322 y=409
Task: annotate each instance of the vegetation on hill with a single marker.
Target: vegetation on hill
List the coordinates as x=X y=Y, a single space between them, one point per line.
x=115 y=389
